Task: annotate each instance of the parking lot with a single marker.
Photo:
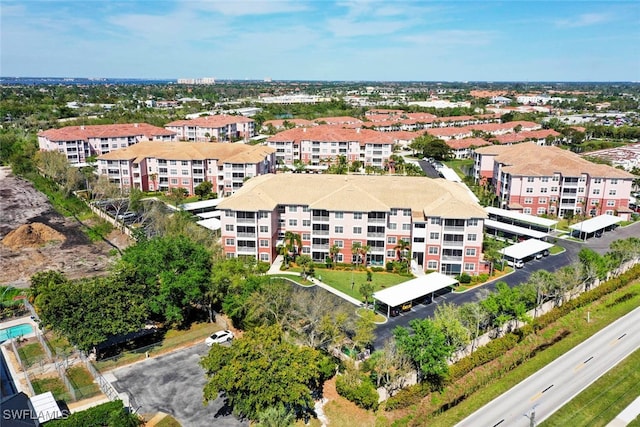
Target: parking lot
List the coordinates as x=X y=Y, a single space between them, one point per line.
x=173 y=384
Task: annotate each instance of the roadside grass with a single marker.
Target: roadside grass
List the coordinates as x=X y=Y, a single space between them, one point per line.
x=460 y=166
x=634 y=423
x=30 y=354
x=168 y=421
x=53 y=384
x=82 y=382
x=378 y=318
x=602 y=313
x=555 y=249
x=293 y=278
x=342 y=280
x=173 y=340
x=603 y=400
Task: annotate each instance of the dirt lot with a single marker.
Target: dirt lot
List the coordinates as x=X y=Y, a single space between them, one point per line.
x=51 y=241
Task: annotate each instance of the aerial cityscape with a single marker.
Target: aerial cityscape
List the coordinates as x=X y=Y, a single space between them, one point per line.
x=319 y=213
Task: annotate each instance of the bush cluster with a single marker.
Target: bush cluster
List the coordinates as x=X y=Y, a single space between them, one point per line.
x=110 y=414
x=362 y=392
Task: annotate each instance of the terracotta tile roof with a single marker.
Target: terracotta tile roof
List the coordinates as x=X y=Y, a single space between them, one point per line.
x=226 y=153
x=450 y=132
x=424 y=196
x=216 y=121
x=338 y=120
x=83 y=133
x=529 y=159
x=328 y=133
x=458 y=144
x=512 y=138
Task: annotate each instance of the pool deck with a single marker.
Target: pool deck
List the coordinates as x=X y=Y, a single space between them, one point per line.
x=21 y=321
x=10 y=358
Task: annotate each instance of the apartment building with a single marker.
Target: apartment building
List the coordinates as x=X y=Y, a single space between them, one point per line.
x=160 y=167
x=540 y=180
x=321 y=145
x=217 y=128
x=80 y=142
x=439 y=218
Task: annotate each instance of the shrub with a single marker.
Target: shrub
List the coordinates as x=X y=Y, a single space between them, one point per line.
x=464 y=278
x=377 y=269
x=111 y=414
x=389 y=266
x=406 y=397
x=358 y=389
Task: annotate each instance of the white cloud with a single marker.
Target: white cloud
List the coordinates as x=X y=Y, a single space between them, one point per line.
x=248 y=7
x=584 y=20
x=452 y=37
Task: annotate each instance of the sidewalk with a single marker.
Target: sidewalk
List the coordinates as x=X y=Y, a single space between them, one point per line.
x=627 y=415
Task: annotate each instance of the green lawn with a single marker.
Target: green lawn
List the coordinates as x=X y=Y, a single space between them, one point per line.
x=604 y=399
x=54 y=385
x=460 y=166
x=292 y=278
x=342 y=280
x=82 y=382
x=30 y=354
x=555 y=249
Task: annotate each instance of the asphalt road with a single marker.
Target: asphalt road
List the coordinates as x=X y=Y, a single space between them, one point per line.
x=173 y=384
x=551 y=263
x=553 y=386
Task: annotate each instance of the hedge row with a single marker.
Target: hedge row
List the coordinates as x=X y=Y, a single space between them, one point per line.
x=363 y=393
x=110 y=414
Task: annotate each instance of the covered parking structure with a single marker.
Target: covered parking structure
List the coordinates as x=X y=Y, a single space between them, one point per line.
x=512 y=231
x=200 y=206
x=599 y=223
x=524 y=250
x=521 y=219
x=421 y=290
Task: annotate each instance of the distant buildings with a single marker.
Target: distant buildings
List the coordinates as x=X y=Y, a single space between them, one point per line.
x=216 y=128
x=80 y=142
x=439 y=219
x=548 y=180
x=321 y=145
x=197 y=81
x=150 y=166
x=627 y=156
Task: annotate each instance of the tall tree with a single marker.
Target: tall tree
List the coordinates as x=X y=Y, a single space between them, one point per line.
x=447 y=318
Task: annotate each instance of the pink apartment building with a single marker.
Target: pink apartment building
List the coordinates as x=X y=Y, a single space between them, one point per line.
x=217 y=128
x=321 y=145
x=80 y=142
x=160 y=167
x=541 y=180
x=439 y=218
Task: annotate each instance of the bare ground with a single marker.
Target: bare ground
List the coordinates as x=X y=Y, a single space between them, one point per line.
x=75 y=255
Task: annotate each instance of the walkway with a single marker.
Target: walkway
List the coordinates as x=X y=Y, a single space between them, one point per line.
x=627 y=415
x=275 y=269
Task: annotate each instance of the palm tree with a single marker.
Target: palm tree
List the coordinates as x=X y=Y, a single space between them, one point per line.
x=334 y=250
x=293 y=242
x=355 y=251
x=364 y=250
x=402 y=249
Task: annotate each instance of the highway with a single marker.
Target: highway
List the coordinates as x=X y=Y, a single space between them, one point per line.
x=550 y=388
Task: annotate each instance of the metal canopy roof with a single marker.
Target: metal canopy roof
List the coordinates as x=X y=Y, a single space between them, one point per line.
x=211 y=214
x=413 y=289
x=202 y=204
x=46 y=407
x=531 y=219
x=514 y=229
x=525 y=249
x=596 y=223
x=211 y=223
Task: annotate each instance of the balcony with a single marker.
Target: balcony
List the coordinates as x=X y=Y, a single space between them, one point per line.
x=316 y=246
x=320 y=218
x=246 y=220
x=247 y=235
x=458 y=228
x=376 y=235
x=246 y=250
x=377 y=220
x=320 y=232
x=451 y=258
x=454 y=243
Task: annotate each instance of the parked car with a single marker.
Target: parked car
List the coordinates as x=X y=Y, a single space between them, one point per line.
x=598 y=233
x=516 y=263
x=126 y=215
x=219 y=337
x=539 y=255
x=545 y=252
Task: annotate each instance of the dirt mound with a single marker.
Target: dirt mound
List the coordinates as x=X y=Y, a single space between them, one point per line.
x=32 y=235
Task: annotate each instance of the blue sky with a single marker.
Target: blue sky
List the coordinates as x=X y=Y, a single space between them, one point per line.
x=323 y=40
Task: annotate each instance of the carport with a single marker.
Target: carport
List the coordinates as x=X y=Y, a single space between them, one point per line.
x=513 y=230
x=525 y=249
x=595 y=224
x=521 y=219
x=416 y=289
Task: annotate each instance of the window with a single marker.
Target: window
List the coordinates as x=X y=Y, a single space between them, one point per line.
x=612 y=192
x=339 y=229
x=263 y=215
x=529 y=190
x=229 y=213
x=306 y=236
x=174 y=172
x=418 y=239
x=597 y=181
x=228 y=227
x=527 y=210
x=469 y=266
x=391 y=254
x=543 y=190
x=435 y=221
x=420 y=225
x=264 y=257
x=529 y=179
x=264 y=243
x=174 y=181
x=541 y=211
x=357 y=230
x=594 y=202
x=528 y=200
x=432 y=265
x=306 y=223
x=433 y=250
x=185 y=163
x=184 y=172
x=406 y=212
x=471 y=252
x=305 y=209
x=293 y=209
x=357 y=215
x=392 y=240
x=608 y=212
x=434 y=235
x=471 y=237
x=542 y=200
x=596 y=191
x=614 y=181
x=339 y=215
x=556 y=178
x=554 y=189
x=406 y=227
x=230 y=242
x=472 y=222
x=393 y=226
x=293 y=223
x=394 y=211
x=172 y=162
x=185 y=181
x=339 y=243
x=611 y=203
x=264 y=228
x=545 y=179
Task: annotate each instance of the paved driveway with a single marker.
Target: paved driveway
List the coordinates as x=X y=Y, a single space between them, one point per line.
x=173 y=384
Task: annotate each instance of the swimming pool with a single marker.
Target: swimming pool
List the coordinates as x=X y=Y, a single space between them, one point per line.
x=15 y=331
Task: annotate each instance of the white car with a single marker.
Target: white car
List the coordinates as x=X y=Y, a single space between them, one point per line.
x=219 y=337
